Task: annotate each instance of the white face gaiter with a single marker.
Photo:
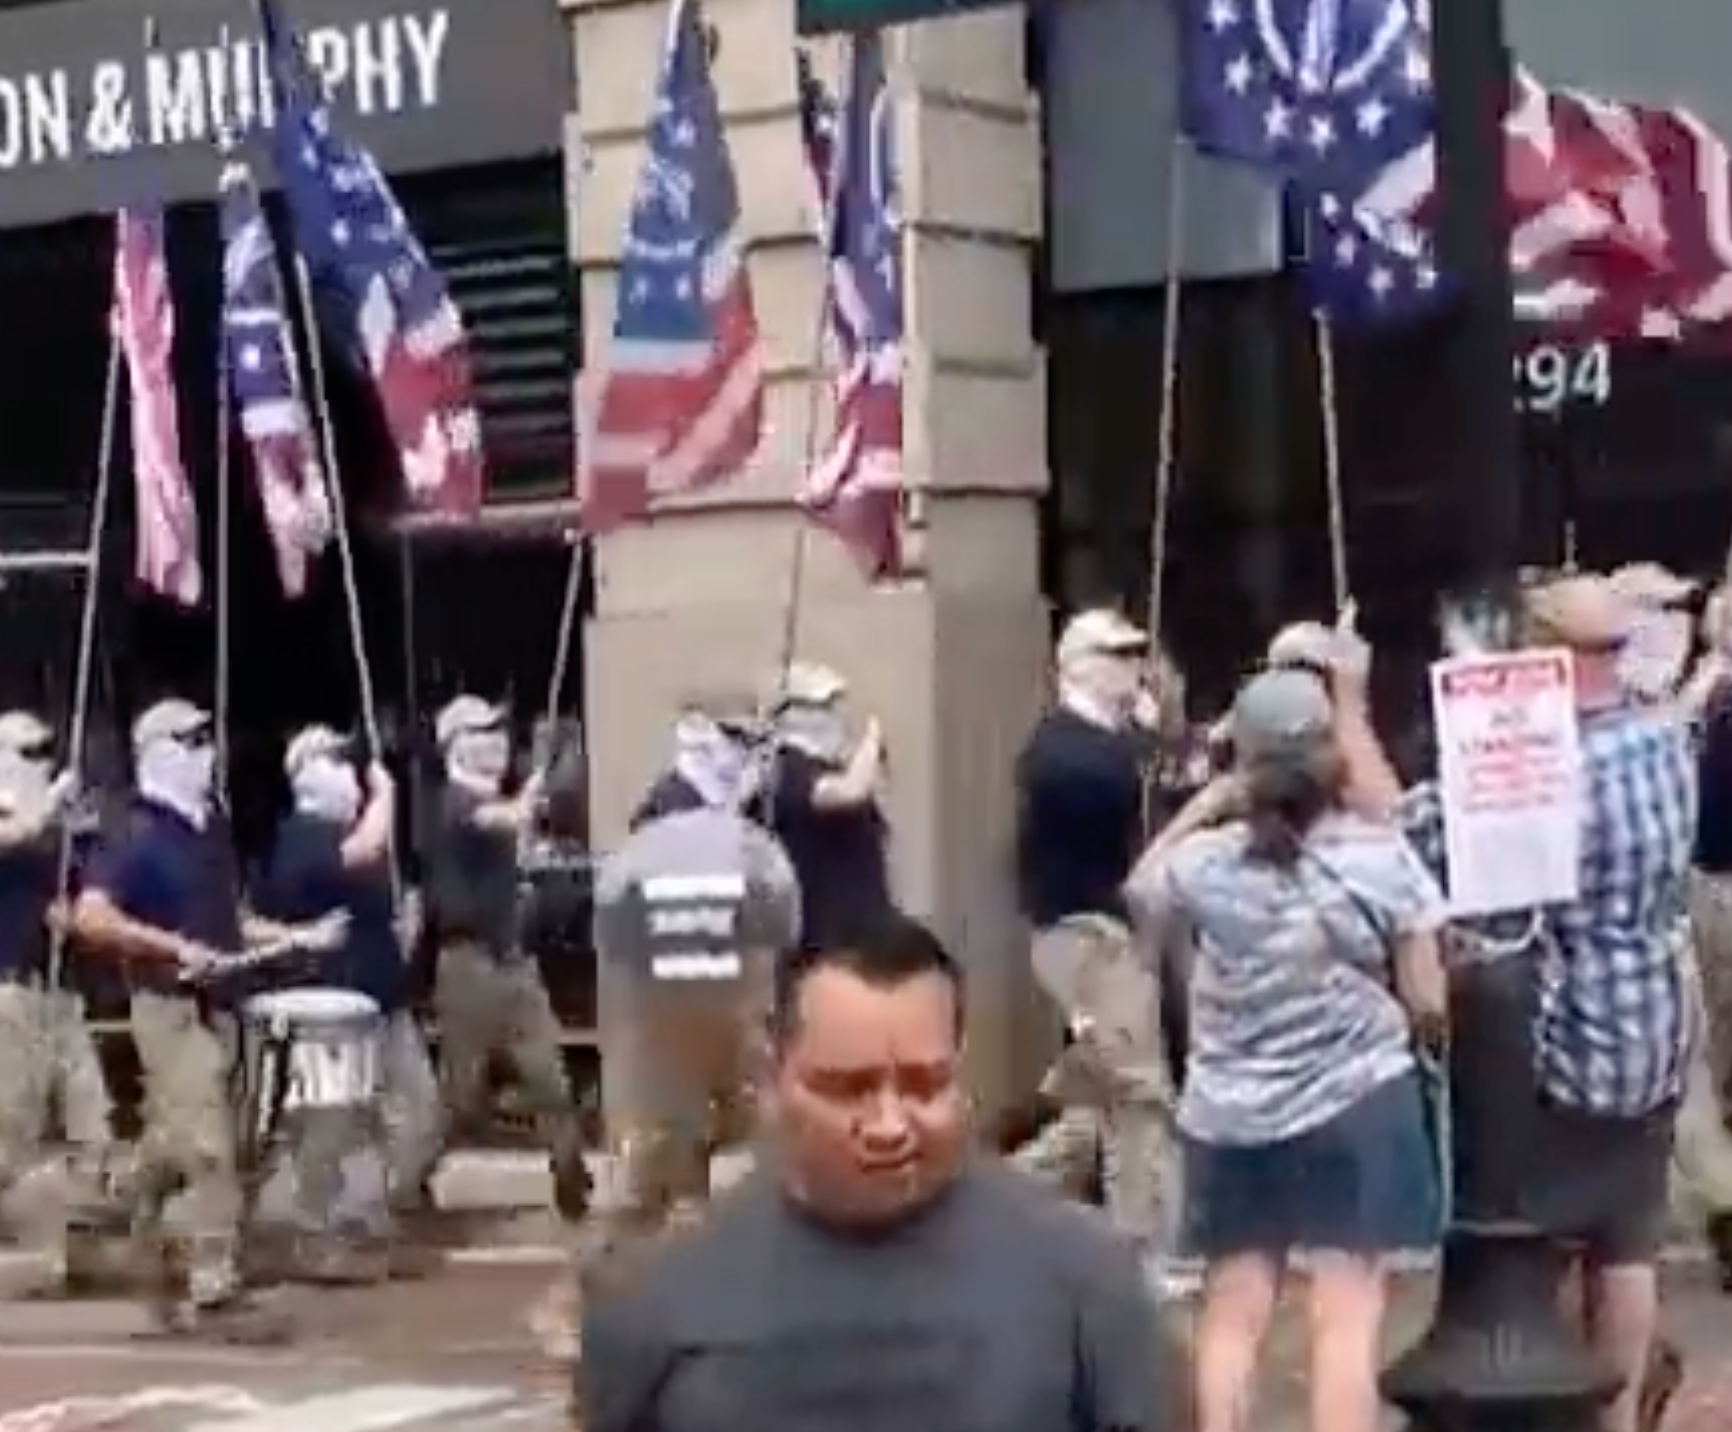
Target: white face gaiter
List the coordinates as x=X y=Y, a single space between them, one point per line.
x=180 y=776
x=24 y=782
x=479 y=758
x=1652 y=663
x=327 y=788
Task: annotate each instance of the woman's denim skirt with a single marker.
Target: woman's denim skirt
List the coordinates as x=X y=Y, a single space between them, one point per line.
x=1365 y=1181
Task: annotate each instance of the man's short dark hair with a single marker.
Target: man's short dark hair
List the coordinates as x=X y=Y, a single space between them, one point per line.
x=885 y=952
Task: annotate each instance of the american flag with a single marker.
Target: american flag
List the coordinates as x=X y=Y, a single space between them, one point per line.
x=166 y=560
x=265 y=383
x=680 y=403
x=856 y=485
x=1343 y=76
x=356 y=241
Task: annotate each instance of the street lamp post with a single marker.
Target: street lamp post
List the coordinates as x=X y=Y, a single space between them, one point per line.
x=1499 y=1355
x=1471 y=74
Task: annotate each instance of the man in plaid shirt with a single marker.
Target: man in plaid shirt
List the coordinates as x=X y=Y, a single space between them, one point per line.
x=1611 y=1032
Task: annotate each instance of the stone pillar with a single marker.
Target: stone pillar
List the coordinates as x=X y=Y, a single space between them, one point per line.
x=951 y=660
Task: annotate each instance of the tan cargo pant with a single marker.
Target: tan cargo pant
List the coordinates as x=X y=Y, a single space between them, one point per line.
x=1115 y=1082
x=487 y=1005
x=1701 y=1146
x=188 y=1141
x=1711 y=931
x=48 y=1058
x=401 y=1131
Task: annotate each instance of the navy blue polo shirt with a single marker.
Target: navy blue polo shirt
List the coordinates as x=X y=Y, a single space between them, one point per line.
x=305 y=878
x=163 y=871
x=1079 y=826
x=29 y=874
x=841 y=857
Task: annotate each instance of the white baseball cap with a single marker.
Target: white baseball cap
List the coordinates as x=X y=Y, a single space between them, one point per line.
x=309 y=744
x=174 y=719
x=1100 y=632
x=464 y=714
x=1308 y=644
x=808 y=683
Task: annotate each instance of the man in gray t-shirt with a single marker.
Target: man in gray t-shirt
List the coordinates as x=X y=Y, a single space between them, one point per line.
x=877 y=1273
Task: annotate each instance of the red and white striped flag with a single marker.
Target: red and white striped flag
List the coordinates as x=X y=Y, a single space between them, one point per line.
x=855 y=486
x=1620 y=214
x=143 y=322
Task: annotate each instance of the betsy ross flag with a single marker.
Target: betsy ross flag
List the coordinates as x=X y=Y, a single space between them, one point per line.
x=166 y=558
x=856 y=485
x=679 y=404
x=358 y=246
x=265 y=383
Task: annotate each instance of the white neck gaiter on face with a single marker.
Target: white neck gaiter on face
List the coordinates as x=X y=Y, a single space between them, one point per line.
x=328 y=789
x=179 y=777
x=480 y=760
x=24 y=783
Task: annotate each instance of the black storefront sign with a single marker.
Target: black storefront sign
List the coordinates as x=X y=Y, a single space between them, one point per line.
x=96 y=112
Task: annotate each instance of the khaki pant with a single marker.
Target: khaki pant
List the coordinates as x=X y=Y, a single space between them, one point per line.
x=1711 y=931
x=682 y=1059
x=1701 y=1146
x=492 y=1005
x=351 y=1165
x=189 y=1139
x=1116 y=1081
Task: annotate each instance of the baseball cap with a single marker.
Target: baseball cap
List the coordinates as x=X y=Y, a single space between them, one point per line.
x=1584 y=612
x=1100 y=632
x=311 y=743
x=1651 y=585
x=464 y=714
x=172 y=720
x=1279 y=709
x=808 y=683
x=1305 y=644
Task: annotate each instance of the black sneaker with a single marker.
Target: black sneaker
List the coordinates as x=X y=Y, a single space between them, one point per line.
x=237 y=1320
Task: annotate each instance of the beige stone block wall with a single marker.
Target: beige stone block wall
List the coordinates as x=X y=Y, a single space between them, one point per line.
x=951 y=661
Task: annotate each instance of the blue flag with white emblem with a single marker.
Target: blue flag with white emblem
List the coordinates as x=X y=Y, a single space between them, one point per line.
x=1360 y=270
x=1309 y=89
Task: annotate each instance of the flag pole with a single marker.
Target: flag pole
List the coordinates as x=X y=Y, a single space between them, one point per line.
x=331 y=476
x=794 y=600
x=84 y=671
x=1329 y=397
x=221 y=700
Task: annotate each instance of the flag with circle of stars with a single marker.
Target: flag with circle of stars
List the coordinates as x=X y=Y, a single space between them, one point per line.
x=264 y=383
x=1361 y=271
x=678 y=403
x=856 y=483
x=1308 y=88
x=357 y=243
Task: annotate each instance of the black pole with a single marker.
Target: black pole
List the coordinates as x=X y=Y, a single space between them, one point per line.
x=1499 y=1355
x=1471 y=72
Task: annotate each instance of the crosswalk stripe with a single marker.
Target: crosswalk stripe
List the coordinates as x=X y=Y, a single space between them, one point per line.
x=366 y=1409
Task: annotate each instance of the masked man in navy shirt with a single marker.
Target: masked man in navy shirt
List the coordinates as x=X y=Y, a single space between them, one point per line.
x=332 y=853
x=45 y=1046
x=163 y=900
x=1083 y=783
x=824 y=802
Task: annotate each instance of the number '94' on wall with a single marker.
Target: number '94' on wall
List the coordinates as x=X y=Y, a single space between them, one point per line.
x=1550 y=377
